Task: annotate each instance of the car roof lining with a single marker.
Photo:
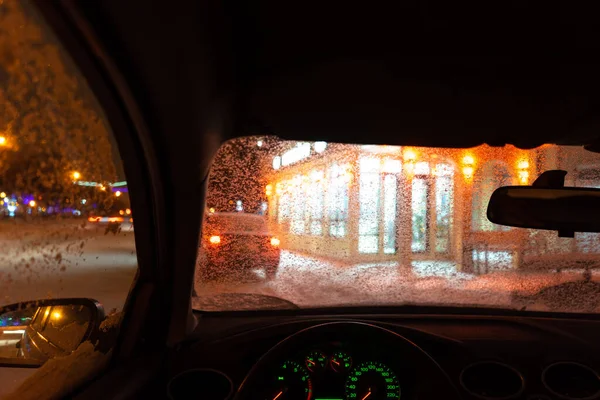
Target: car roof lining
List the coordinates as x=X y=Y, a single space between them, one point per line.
x=384 y=74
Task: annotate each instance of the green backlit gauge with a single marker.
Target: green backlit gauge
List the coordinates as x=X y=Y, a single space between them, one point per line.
x=315 y=361
x=292 y=382
x=341 y=362
x=372 y=381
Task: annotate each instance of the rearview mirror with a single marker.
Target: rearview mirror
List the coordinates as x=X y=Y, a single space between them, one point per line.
x=566 y=209
x=35 y=331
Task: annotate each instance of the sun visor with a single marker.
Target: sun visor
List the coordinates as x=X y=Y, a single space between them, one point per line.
x=378 y=103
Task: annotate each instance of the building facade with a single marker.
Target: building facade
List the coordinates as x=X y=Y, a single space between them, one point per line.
x=389 y=203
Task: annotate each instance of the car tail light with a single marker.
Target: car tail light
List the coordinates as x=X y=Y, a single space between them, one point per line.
x=275 y=242
x=215 y=239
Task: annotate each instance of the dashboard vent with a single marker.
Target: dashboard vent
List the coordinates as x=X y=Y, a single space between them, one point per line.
x=571 y=380
x=492 y=380
x=215 y=385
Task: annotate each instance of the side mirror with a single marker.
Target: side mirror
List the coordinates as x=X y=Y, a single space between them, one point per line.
x=564 y=209
x=34 y=331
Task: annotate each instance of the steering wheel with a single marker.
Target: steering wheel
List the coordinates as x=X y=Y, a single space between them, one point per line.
x=421 y=376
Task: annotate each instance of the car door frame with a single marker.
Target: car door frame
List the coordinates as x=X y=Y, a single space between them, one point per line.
x=158 y=309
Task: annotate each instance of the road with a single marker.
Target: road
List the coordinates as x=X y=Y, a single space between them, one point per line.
x=65 y=259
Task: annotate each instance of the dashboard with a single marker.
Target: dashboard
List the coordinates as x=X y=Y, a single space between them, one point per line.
x=387 y=357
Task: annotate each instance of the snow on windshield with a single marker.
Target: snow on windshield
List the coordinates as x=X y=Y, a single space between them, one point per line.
x=390 y=225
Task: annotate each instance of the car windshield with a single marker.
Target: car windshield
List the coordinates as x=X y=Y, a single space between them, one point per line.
x=235 y=223
x=390 y=225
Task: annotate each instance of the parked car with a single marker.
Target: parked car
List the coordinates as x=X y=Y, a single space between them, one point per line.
x=237 y=242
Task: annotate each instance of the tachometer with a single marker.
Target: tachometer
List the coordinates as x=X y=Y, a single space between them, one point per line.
x=316 y=361
x=292 y=382
x=372 y=380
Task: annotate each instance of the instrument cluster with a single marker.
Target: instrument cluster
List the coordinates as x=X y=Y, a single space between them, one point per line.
x=333 y=373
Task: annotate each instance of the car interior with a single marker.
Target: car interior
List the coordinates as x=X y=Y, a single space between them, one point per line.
x=178 y=79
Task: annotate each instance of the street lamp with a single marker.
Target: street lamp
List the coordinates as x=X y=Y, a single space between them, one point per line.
x=76 y=175
x=117 y=193
x=3 y=141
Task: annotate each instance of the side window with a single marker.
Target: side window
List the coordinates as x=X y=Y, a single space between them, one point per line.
x=66 y=224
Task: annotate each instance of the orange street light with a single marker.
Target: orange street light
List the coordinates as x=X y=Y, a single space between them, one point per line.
x=118 y=193
x=3 y=141
x=76 y=175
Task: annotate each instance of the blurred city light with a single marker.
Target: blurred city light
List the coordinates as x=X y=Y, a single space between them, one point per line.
x=259 y=143
x=215 y=239
x=32 y=203
x=468 y=160
x=3 y=141
x=118 y=193
x=320 y=146
x=2 y=195
x=76 y=175
x=523 y=164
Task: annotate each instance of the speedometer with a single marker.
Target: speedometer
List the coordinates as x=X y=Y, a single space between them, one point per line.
x=372 y=380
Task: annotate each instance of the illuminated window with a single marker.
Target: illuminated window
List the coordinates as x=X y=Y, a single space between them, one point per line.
x=390 y=192
x=338 y=189
x=444 y=207
x=420 y=214
x=432 y=208
x=421 y=168
x=368 y=198
x=315 y=204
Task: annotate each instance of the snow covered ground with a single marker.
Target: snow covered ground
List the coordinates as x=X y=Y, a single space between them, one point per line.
x=65 y=259
x=309 y=282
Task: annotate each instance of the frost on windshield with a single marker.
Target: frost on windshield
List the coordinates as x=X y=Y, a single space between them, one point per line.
x=387 y=225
